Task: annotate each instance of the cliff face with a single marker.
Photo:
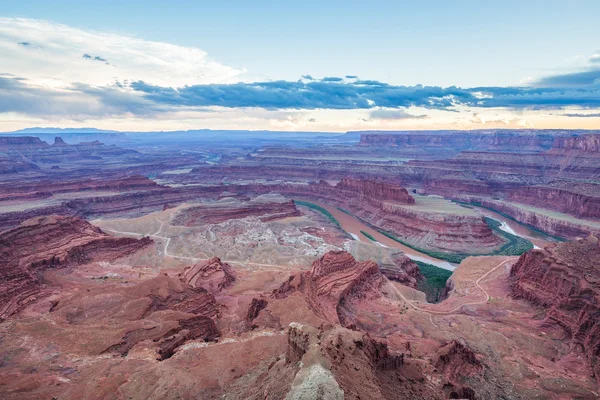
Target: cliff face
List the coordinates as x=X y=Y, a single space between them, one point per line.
x=518 y=141
x=50 y=242
x=548 y=224
x=337 y=281
x=565 y=280
x=584 y=205
x=334 y=285
x=376 y=191
x=589 y=143
x=8 y=143
x=47 y=188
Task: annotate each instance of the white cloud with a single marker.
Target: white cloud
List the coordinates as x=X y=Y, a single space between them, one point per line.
x=52 y=55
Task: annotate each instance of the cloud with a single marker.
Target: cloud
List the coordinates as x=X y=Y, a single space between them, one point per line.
x=96 y=58
x=365 y=94
x=579 y=115
x=70 y=74
x=583 y=78
x=589 y=75
x=18 y=95
x=332 y=79
x=58 y=60
x=304 y=95
x=394 y=114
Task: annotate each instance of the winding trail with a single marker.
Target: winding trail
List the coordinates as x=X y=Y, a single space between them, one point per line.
x=487 y=296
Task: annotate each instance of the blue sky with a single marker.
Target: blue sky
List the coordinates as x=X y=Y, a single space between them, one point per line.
x=221 y=50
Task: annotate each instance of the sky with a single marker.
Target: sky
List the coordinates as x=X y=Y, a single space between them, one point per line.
x=299 y=66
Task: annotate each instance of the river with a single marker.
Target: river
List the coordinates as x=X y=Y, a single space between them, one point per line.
x=353 y=226
x=514 y=227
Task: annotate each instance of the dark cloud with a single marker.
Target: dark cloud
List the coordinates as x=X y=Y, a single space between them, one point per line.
x=305 y=95
x=308 y=77
x=29 y=45
x=584 y=78
x=95 y=58
x=385 y=101
x=351 y=77
x=332 y=79
x=365 y=94
x=394 y=114
x=579 y=115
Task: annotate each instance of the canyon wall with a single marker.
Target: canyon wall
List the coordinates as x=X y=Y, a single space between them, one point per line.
x=564 y=279
x=545 y=223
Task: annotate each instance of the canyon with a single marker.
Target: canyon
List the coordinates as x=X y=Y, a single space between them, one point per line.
x=380 y=265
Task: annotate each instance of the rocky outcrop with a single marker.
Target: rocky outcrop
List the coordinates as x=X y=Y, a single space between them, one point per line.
x=564 y=279
x=335 y=285
x=58 y=141
x=51 y=242
x=337 y=282
x=213 y=275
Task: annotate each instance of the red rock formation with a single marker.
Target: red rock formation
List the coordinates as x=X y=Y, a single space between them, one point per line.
x=579 y=199
x=161 y=310
x=517 y=140
x=564 y=279
x=212 y=275
x=50 y=242
x=375 y=191
x=47 y=188
x=546 y=223
x=455 y=361
x=337 y=282
x=217 y=213
x=255 y=307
